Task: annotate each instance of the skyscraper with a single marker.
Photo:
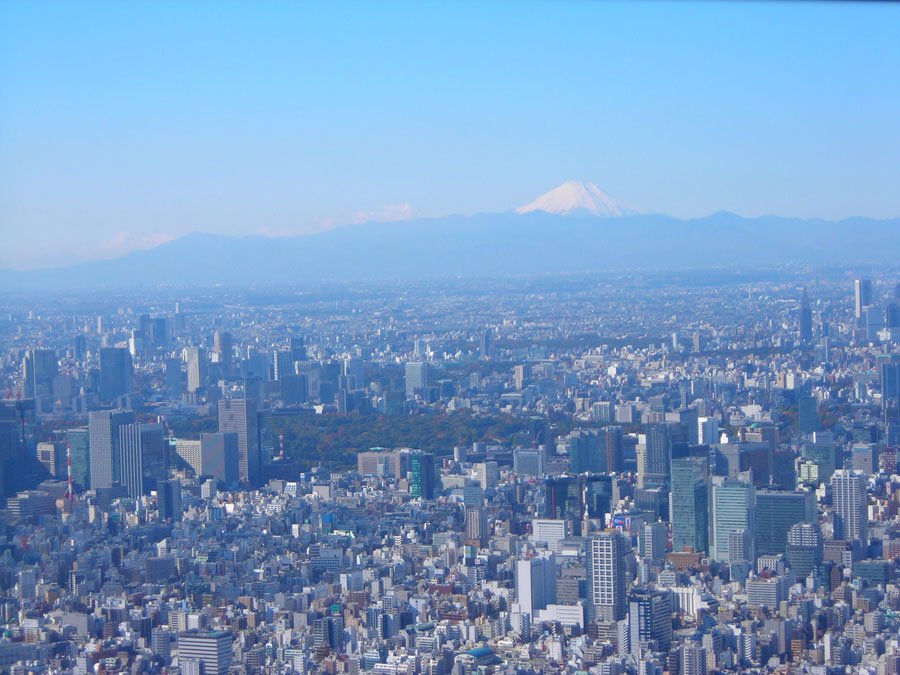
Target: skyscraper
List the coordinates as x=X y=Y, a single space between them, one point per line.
x=649 y=621
x=848 y=494
x=282 y=363
x=168 y=499
x=223 y=346
x=653 y=462
x=116 y=373
x=605 y=567
x=776 y=513
x=39 y=367
x=416 y=378
x=143 y=457
x=80 y=452
x=805 y=318
x=862 y=295
x=239 y=415
x=734 y=508
x=422 y=483
x=536 y=583
x=103 y=428
x=690 y=504
x=197 y=368
x=804 y=548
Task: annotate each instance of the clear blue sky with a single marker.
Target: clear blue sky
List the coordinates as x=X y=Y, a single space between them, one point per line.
x=126 y=123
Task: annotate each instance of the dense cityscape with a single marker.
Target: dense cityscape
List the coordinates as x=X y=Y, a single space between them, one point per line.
x=689 y=472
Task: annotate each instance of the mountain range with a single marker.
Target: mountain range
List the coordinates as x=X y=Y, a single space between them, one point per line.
x=574 y=228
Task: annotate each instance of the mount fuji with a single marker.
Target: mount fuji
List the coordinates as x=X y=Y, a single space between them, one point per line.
x=572 y=229
x=577 y=198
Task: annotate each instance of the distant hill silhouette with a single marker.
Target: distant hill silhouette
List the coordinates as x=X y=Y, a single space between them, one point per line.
x=484 y=245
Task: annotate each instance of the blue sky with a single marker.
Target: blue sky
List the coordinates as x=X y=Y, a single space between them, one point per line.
x=126 y=124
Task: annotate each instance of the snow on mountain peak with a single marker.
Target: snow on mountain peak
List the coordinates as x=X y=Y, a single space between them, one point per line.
x=575 y=197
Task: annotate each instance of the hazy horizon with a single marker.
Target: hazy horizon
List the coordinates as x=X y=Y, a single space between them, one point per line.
x=124 y=126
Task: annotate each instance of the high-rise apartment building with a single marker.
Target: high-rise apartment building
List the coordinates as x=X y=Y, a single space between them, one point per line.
x=605 y=567
x=848 y=494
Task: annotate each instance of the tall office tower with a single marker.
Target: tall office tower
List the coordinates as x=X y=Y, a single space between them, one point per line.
x=214 y=455
x=116 y=373
x=733 y=508
x=707 y=430
x=298 y=348
x=173 y=379
x=355 y=371
x=808 y=413
x=486 y=343
x=80 y=350
x=416 y=378
x=103 y=426
x=605 y=566
x=239 y=415
x=689 y=504
x=892 y=315
x=776 y=513
x=805 y=318
x=611 y=445
x=649 y=621
x=213 y=650
x=168 y=499
x=421 y=467
x=804 y=548
x=266 y=437
x=654 y=540
x=863 y=295
x=653 y=462
x=282 y=363
x=197 y=368
x=851 y=517
x=784 y=471
x=80 y=452
x=143 y=457
x=889 y=376
x=223 y=346
x=477 y=530
x=536 y=583
x=39 y=367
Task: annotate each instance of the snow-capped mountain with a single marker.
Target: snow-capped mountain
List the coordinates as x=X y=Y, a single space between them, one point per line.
x=577 y=198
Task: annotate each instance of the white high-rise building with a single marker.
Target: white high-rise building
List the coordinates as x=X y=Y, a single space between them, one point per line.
x=606 y=576
x=848 y=494
x=536 y=583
